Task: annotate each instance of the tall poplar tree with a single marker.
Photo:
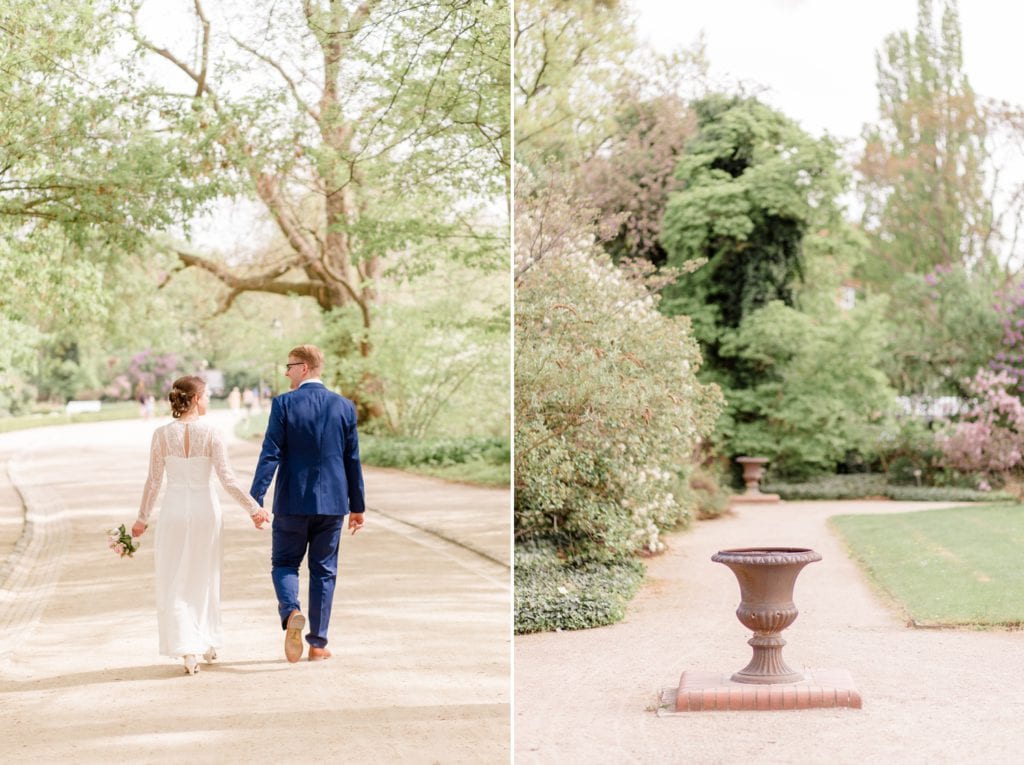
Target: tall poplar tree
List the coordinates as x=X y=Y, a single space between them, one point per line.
x=923 y=171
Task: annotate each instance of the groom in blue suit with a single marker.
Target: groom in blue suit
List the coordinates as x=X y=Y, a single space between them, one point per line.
x=311 y=442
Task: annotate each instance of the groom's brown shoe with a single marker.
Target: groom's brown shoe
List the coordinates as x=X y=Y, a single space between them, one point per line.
x=293 y=636
x=318 y=654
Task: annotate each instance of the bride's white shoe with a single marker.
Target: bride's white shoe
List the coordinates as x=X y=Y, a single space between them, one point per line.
x=210 y=656
x=191 y=665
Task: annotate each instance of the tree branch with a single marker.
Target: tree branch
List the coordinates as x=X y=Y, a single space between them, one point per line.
x=284 y=75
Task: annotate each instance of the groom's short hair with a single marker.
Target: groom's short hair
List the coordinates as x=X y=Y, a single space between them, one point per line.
x=312 y=356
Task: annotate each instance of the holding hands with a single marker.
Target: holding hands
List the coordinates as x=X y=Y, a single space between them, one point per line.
x=259 y=518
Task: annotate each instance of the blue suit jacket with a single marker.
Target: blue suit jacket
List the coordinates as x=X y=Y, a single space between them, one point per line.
x=311 y=442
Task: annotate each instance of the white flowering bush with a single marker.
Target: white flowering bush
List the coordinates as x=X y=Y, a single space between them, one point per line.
x=608 y=410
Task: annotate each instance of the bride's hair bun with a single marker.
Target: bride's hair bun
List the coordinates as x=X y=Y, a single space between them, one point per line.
x=184 y=392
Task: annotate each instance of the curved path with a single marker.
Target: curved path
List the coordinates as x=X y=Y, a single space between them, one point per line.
x=420 y=630
x=930 y=696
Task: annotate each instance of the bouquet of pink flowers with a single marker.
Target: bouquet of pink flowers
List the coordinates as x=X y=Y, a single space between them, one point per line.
x=121 y=542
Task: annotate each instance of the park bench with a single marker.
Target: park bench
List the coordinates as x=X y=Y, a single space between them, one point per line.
x=75 y=407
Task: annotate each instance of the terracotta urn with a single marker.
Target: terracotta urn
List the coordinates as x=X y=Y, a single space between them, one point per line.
x=753 y=471
x=766 y=576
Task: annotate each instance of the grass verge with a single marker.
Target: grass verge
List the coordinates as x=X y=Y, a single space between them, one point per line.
x=121 y=410
x=952 y=567
x=474 y=460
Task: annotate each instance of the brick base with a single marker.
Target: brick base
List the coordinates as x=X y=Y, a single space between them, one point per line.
x=754 y=499
x=701 y=690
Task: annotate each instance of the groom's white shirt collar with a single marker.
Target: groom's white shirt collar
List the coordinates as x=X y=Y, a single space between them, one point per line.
x=311 y=379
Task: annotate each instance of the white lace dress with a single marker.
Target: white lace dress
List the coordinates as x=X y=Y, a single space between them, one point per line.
x=188 y=535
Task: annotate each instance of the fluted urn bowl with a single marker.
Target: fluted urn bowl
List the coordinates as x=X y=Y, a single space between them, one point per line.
x=766 y=576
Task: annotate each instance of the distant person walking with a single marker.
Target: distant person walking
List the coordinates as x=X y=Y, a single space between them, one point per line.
x=235 y=401
x=140 y=396
x=248 y=401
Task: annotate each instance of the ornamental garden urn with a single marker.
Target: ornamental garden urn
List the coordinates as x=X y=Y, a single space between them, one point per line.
x=753 y=471
x=766 y=576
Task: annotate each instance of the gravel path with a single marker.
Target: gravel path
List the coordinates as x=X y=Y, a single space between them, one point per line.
x=929 y=695
x=420 y=629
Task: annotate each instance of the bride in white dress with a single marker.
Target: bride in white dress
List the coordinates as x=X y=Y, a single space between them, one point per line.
x=188 y=537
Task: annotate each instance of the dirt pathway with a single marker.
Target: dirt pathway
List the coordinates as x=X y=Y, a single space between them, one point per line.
x=929 y=696
x=420 y=631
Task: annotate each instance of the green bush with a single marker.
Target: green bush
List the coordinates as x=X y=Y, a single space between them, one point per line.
x=865 y=485
x=608 y=406
x=409 y=452
x=907 y=453
x=708 y=492
x=477 y=460
x=946 y=494
x=819 y=394
x=552 y=594
x=855 y=486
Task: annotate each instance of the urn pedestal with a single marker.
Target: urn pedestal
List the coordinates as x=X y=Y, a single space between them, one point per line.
x=753 y=471
x=766 y=576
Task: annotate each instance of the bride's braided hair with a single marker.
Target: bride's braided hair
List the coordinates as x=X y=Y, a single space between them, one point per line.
x=184 y=392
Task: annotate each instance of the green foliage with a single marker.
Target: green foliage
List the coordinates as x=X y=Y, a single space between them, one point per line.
x=551 y=594
x=710 y=496
x=440 y=356
x=945 y=494
x=950 y=567
x=816 y=392
x=752 y=184
x=408 y=452
x=83 y=177
x=923 y=173
x=943 y=327
x=478 y=460
x=608 y=407
x=800 y=376
x=569 y=58
x=872 y=485
x=475 y=460
x=907 y=452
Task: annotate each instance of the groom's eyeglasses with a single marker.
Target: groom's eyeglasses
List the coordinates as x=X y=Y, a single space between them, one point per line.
x=293 y=364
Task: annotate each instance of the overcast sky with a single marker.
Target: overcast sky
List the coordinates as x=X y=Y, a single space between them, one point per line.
x=817 y=57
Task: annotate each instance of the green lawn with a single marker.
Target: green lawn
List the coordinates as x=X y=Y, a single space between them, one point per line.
x=119 y=410
x=960 y=566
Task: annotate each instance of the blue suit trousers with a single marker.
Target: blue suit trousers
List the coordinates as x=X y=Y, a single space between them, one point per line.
x=293 y=537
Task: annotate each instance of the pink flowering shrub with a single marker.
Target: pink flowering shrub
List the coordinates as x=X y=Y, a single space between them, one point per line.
x=1010 y=359
x=990 y=436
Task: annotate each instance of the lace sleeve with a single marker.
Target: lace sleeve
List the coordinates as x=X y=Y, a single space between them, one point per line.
x=157 y=456
x=219 y=455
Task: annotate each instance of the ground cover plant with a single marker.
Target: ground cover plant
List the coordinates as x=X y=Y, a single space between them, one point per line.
x=951 y=567
x=864 y=485
x=552 y=593
x=470 y=459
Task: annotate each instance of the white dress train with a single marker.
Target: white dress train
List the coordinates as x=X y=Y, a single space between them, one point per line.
x=187 y=549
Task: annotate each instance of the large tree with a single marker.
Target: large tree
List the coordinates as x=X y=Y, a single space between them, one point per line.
x=926 y=177
x=570 y=57
x=941 y=215
x=375 y=135
x=83 y=178
x=752 y=185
